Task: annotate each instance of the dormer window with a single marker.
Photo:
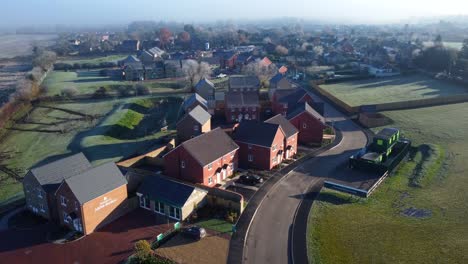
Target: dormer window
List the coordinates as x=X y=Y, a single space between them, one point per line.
x=63 y=200
x=182 y=164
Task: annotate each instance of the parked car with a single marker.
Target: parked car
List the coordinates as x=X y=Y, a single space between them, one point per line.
x=250 y=179
x=194 y=232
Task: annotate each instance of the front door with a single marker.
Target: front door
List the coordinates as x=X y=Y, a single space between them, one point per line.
x=224 y=174
x=287 y=154
x=218 y=177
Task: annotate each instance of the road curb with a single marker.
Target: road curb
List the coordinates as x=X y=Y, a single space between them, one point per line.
x=237 y=243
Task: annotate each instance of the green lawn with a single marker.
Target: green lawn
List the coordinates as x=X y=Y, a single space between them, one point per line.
x=395 y=89
x=97 y=60
x=50 y=133
x=216 y=225
x=87 y=82
x=345 y=229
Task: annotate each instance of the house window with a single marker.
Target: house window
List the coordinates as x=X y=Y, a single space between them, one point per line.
x=304 y=125
x=274 y=160
x=210 y=166
x=174 y=212
x=63 y=200
x=379 y=142
x=233 y=117
x=65 y=216
x=182 y=164
x=41 y=207
x=210 y=180
x=232 y=154
x=273 y=148
x=195 y=127
x=39 y=193
x=144 y=202
x=250 y=157
x=159 y=207
x=250 y=146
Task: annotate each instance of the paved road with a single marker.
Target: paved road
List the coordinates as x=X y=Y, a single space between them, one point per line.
x=269 y=236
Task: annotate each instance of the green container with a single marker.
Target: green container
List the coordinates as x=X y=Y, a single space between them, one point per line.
x=160 y=237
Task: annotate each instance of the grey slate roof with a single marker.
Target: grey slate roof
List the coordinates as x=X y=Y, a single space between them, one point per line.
x=165 y=190
x=192 y=99
x=305 y=107
x=244 y=82
x=156 y=51
x=278 y=77
x=130 y=59
x=95 y=182
x=204 y=83
x=52 y=174
x=291 y=97
x=209 y=146
x=242 y=99
x=258 y=133
x=287 y=127
x=200 y=115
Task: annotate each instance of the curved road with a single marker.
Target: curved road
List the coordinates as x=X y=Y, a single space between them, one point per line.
x=269 y=237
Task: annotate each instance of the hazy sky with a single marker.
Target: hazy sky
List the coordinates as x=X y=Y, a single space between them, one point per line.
x=86 y=12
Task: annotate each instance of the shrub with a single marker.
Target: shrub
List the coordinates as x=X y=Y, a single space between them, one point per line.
x=231 y=217
x=100 y=92
x=141 y=89
x=69 y=92
x=126 y=91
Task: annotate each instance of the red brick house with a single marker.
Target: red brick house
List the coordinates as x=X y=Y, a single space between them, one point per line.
x=284 y=100
x=194 y=123
x=291 y=135
x=309 y=123
x=261 y=145
x=241 y=106
x=207 y=159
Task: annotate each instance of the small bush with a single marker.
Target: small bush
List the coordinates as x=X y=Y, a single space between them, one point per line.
x=100 y=93
x=126 y=91
x=231 y=217
x=69 y=92
x=141 y=89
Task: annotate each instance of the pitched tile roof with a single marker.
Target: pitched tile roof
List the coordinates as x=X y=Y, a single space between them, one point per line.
x=242 y=99
x=167 y=191
x=200 y=115
x=95 y=182
x=204 y=83
x=192 y=99
x=288 y=128
x=278 y=77
x=305 y=107
x=258 y=133
x=209 y=146
x=52 y=174
x=283 y=69
x=265 y=62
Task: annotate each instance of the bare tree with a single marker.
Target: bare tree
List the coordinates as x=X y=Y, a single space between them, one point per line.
x=281 y=50
x=196 y=71
x=45 y=59
x=263 y=73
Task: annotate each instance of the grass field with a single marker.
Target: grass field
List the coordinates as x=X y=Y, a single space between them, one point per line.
x=21 y=45
x=395 y=89
x=404 y=221
x=87 y=82
x=96 y=60
x=49 y=133
x=216 y=225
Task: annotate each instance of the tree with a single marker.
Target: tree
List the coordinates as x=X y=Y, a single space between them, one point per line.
x=196 y=71
x=164 y=36
x=141 y=89
x=281 y=50
x=464 y=51
x=263 y=73
x=143 y=251
x=437 y=58
x=45 y=59
x=69 y=92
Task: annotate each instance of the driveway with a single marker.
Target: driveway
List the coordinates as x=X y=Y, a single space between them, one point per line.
x=111 y=244
x=268 y=239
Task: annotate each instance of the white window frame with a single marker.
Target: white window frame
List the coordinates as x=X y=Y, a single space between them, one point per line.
x=273 y=148
x=63 y=201
x=250 y=157
x=304 y=125
x=210 y=180
x=210 y=166
x=65 y=216
x=39 y=193
x=143 y=204
x=182 y=164
x=195 y=128
x=159 y=207
x=41 y=207
x=174 y=212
